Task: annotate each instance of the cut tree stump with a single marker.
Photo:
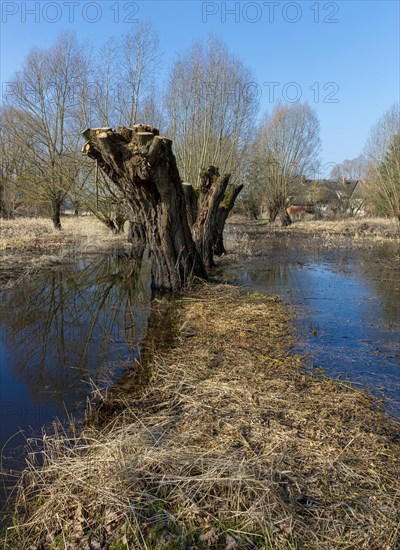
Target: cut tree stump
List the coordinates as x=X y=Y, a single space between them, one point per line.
x=141 y=163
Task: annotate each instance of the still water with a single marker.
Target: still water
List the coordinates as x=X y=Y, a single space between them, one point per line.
x=63 y=333
x=70 y=329
x=347 y=305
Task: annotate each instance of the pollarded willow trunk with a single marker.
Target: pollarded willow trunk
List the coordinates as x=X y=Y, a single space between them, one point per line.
x=225 y=207
x=215 y=202
x=136 y=233
x=142 y=165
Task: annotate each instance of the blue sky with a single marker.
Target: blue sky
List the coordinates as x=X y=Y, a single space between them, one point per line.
x=342 y=57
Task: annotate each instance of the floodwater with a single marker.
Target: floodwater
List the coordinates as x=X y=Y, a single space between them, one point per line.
x=68 y=330
x=63 y=333
x=347 y=306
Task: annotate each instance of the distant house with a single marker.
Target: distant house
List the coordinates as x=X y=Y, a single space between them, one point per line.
x=329 y=197
x=357 y=199
x=335 y=195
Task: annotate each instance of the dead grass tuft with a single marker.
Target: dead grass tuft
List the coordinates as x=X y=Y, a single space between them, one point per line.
x=230 y=445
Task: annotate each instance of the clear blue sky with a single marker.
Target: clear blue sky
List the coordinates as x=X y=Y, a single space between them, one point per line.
x=349 y=47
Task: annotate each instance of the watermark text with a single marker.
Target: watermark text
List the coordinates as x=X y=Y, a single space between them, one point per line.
x=69 y=12
x=270 y=12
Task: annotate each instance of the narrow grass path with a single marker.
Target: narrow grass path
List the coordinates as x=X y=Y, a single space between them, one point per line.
x=230 y=444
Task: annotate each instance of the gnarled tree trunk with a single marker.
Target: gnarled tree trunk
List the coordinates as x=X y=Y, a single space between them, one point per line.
x=225 y=207
x=142 y=165
x=215 y=203
x=136 y=232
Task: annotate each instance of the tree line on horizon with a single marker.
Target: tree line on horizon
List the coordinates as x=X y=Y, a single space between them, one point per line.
x=204 y=107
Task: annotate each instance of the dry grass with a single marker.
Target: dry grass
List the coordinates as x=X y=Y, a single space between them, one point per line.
x=229 y=445
x=374 y=229
x=38 y=234
x=248 y=238
x=29 y=244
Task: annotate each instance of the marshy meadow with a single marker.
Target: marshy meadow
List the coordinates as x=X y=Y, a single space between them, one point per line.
x=209 y=421
x=200 y=275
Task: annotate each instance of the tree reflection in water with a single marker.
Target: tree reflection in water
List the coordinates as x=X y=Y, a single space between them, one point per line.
x=68 y=327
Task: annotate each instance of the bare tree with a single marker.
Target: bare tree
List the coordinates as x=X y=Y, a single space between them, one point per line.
x=11 y=166
x=119 y=89
x=285 y=152
x=104 y=200
x=250 y=202
x=350 y=169
x=383 y=154
x=105 y=86
x=44 y=96
x=211 y=109
x=140 y=60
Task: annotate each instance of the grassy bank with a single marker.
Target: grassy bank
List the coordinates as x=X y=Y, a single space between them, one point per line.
x=28 y=244
x=229 y=444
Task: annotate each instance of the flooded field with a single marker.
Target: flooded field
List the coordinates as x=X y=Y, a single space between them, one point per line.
x=347 y=305
x=70 y=329
x=65 y=332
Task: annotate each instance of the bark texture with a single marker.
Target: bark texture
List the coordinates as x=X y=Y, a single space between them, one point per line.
x=215 y=202
x=141 y=163
x=136 y=232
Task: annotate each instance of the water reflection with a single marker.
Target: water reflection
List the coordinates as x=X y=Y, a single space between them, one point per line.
x=64 y=330
x=347 y=309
